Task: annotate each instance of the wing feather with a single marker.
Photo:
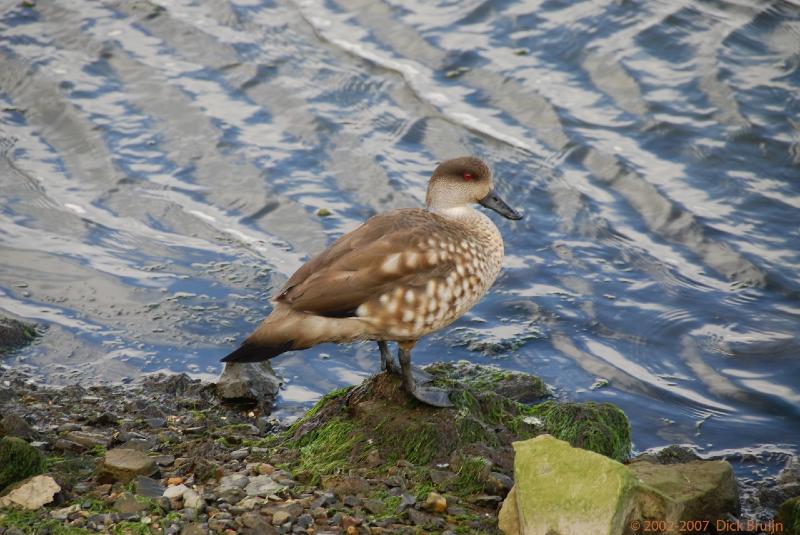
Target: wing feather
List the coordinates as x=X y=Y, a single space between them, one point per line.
x=354 y=269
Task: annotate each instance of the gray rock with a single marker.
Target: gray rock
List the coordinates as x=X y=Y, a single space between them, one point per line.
x=240 y=454
x=14 y=426
x=261 y=486
x=791 y=473
x=194 y=529
x=418 y=518
x=248 y=383
x=281 y=517
x=87 y=440
x=497 y=483
x=148 y=487
x=193 y=500
x=773 y=497
x=14 y=334
x=239 y=481
x=122 y=464
x=164 y=460
x=376 y=507
x=406 y=501
x=175 y=491
x=127 y=503
x=257 y=523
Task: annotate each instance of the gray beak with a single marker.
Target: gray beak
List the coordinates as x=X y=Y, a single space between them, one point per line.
x=494 y=202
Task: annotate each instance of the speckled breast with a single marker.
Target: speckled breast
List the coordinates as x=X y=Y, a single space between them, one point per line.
x=453 y=268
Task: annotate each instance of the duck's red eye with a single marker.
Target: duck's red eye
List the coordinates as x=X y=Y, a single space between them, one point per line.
x=467 y=176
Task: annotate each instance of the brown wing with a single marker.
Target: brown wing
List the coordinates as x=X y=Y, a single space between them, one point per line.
x=388 y=250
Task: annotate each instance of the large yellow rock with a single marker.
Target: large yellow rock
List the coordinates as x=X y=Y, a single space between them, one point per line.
x=561 y=490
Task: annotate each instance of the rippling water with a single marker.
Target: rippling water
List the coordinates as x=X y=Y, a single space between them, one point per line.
x=162 y=166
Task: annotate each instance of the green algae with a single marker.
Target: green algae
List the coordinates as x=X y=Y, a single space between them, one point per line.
x=599 y=427
x=35 y=522
x=570 y=490
x=789 y=514
x=19 y=460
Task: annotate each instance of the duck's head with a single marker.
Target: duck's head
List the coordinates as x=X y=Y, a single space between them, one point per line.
x=462 y=182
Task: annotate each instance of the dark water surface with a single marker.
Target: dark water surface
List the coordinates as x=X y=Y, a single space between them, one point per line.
x=162 y=165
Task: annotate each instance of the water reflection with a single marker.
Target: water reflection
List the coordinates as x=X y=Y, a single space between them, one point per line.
x=163 y=170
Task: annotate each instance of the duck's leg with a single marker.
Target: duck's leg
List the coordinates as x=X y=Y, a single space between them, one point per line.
x=436 y=397
x=387 y=363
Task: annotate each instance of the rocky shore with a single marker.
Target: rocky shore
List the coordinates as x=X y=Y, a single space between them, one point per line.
x=164 y=455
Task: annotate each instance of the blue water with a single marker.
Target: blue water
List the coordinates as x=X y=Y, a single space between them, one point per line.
x=162 y=171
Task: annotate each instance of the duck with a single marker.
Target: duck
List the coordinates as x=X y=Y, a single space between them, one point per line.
x=401 y=275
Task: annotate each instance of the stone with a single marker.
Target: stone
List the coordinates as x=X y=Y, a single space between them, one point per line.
x=261 y=486
x=279 y=518
x=240 y=454
x=18 y=460
x=249 y=383
x=257 y=523
x=87 y=440
x=127 y=503
x=376 y=507
x=31 y=493
x=791 y=472
x=406 y=501
x=238 y=481
x=699 y=490
x=194 y=529
x=193 y=500
x=64 y=513
x=123 y=465
x=176 y=491
x=435 y=503
x=775 y=495
x=14 y=334
x=14 y=426
x=561 y=490
x=497 y=483
x=164 y=460
x=508 y=518
x=177 y=480
x=342 y=485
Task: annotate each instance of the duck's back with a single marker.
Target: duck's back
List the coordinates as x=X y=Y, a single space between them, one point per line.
x=405 y=273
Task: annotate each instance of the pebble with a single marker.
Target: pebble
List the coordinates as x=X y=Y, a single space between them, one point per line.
x=280 y=517
x=240 y=454
x=175 y=491
x=435 y=503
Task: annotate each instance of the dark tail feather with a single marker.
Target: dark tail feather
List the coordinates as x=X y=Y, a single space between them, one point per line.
x=249 y=352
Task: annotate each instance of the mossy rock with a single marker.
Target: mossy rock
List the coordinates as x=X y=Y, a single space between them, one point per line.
x=599 y=427
x=789 y=515
x=376 y=426
x=15 y=334
x=18 y=460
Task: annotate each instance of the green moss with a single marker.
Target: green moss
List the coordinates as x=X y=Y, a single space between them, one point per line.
x=471 y=475
x=418 y=447
x=18 y=460
x=599 y=427
x=328 y=448
x=70 y=470
x=789 y=514
x=324 y=400
x=35 y=522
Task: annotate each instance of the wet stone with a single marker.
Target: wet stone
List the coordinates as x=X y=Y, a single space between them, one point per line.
x=124 y=464
x=13 y=425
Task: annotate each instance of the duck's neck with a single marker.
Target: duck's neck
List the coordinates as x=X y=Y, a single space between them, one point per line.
x=459 y=213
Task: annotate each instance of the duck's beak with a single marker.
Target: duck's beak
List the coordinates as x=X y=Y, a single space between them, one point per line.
x=494 y=202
